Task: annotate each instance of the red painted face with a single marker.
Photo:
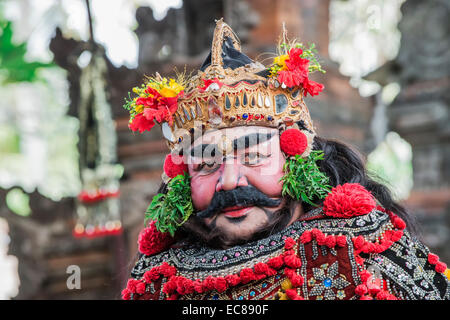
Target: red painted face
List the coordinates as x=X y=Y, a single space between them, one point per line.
x=255 y=160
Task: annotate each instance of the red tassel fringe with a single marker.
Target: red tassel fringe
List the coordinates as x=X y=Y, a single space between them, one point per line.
x=438 y=265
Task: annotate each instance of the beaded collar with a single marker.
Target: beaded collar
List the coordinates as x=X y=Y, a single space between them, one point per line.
x=200 y=261
x=367 y=257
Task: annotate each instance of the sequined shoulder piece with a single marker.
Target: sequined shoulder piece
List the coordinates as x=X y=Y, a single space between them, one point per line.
x=407 y=271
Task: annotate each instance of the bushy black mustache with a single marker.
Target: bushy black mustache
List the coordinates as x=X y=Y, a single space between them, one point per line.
x=240 y=196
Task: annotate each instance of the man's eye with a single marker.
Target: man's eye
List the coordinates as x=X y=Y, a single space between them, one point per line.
x=253 y=158
x=208 y=167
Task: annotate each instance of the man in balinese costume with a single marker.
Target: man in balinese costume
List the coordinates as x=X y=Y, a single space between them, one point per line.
x=254 y=205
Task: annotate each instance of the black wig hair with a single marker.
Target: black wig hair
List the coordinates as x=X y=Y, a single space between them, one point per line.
x=342 y=165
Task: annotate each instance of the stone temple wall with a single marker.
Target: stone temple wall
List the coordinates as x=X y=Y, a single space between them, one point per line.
x=420 y=113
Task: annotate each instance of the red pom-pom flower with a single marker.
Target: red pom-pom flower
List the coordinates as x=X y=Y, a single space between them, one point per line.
x=312 y=87
x=297 y=69
x=155 y=103
x=174 y=165
x=151 y=241
x=348 y=200
x=141 y=123
x=293 y=142
x=295 y=72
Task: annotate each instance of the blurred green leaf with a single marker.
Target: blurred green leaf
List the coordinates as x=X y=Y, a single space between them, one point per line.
x=18 y=202
x=9 y=140
x=13 y=66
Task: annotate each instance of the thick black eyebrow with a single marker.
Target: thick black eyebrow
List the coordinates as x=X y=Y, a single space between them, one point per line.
x=251 y=140
x=238 y=143
x=201 y=149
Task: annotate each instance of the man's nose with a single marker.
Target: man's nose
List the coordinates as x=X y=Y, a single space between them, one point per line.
x=231 y=176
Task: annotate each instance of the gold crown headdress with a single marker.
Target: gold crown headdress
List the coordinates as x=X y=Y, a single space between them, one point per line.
x=240 y=92
x=232 y=90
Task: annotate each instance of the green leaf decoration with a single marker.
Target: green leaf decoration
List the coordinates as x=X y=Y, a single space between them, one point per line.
x=303 y=179
x=311 y=54
x=172 y=209
x=13 y=65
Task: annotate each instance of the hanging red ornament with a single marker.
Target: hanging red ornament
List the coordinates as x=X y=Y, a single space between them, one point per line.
x=174 y=165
